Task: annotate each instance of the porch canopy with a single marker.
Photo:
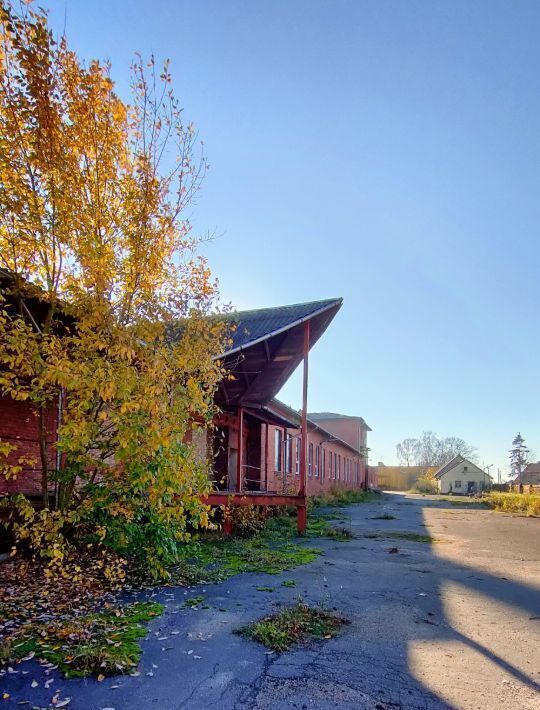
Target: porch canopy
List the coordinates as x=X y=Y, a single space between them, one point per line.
x=267 y=346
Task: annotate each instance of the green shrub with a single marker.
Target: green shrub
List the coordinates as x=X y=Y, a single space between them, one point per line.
x=425 y=484
x=247 y=520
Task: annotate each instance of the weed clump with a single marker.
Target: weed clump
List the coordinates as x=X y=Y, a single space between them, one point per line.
x=292 y=625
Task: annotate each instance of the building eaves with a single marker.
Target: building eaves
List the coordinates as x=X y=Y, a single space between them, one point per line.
x=314 y=425
x=329 y=416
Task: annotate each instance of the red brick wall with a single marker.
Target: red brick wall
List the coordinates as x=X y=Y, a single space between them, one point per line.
x=19 y=426
x=322 y=478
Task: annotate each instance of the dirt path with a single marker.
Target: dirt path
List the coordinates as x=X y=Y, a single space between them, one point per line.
x=447 y=624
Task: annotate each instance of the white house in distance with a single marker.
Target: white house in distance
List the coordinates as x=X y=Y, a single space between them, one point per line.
x=462 y=477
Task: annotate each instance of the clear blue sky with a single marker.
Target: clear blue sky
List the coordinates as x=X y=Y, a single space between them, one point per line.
x=386 y=152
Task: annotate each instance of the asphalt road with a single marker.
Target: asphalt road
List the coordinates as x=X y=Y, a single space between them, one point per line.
x=449 y=624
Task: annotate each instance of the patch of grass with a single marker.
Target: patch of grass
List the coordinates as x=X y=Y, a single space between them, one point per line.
x=340 y=498
x=413 y=537
x=102 y=643
x=265 y=589
x=333 y=515
x=317 y=526
x=275 y=550
x=193 y=601
x=521 y=503
x=228 y=556
x=292 y=625
x=462 y=501
x=288 y=583
x=386 y=516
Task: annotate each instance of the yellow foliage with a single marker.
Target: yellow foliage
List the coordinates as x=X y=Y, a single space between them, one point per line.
x=107 y=308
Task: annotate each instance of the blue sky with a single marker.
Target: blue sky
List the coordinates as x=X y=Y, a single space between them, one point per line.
x=386 y=152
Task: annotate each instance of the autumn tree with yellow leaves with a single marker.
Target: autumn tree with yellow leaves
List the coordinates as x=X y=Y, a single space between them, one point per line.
x=93 y=192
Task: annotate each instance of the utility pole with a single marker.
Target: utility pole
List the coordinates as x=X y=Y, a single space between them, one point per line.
x=486 y=469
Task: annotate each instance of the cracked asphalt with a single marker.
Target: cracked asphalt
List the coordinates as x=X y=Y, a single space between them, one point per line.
x=449 y=624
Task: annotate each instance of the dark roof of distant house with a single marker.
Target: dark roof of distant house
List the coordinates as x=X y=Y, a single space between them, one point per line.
x=455 y=462
x=327 y=416
x=531 y=474
x=256 y=325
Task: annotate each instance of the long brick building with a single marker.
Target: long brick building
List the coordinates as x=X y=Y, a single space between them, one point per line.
x=263 y=451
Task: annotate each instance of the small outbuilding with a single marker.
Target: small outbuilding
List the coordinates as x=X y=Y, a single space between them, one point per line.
x=462 y=477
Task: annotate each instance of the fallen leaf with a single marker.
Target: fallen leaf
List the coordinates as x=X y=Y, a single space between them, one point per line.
x=100 y=678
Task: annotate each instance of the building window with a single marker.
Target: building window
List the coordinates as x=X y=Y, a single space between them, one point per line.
x=339 y=467
x=457 y=484
x=278 y=449
x=297 y=459
x=330 y=467
x=323 y=467
x=335 y=466
x=288 y=454
x=465 y=468
x=310 y=460
x=317 y=460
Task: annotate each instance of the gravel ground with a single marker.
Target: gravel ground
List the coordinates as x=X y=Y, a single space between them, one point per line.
x=448 y=624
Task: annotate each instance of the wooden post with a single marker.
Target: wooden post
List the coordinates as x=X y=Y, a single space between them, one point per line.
x=266 y=457
x=228 y=527
x=302 y=516
x=240 y=460
x=284 y=459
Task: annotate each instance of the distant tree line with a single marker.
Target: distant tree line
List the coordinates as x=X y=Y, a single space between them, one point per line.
x=429 y=449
